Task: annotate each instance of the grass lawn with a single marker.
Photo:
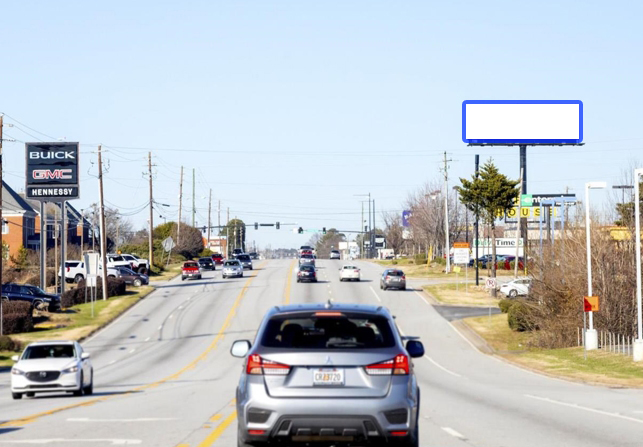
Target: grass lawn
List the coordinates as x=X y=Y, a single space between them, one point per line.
x=436 y=271
x=460 y=294
x=599 y=367
x=170 y=272
x=77 y=322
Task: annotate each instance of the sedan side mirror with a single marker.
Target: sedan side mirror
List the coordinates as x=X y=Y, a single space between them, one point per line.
x=15 y=358
x=415 y=348
x=85 y=355
x=240 y=348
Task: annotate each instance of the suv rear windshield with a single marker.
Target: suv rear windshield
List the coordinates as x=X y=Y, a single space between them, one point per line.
x=312 y=331
x=72 y=263
x=307 y=256
x=307 y=268
x=205 y=260
x=395 y=273
x=243 y=258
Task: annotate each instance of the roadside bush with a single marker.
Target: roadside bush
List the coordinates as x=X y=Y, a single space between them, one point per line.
x=419 y=259
x=394 y=262
x=16 y=317
x=115 y=287
x=440 y=261
x=505 y=304
x=519 y=317
x=9 y=344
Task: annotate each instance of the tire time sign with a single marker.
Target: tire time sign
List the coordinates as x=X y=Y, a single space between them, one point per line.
x=52 y=171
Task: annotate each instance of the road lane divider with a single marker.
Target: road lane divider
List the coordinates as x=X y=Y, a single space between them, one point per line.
x=375 y=293
x=19 y=422
x=583 y=408
x=218 y=431
x=289 y=283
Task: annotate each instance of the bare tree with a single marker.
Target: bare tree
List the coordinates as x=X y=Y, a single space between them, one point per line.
x=393 y=231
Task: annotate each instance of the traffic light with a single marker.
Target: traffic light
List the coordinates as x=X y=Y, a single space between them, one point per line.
x=300 y=230
x=324 y=230
x=256 y=225
x=277 y=225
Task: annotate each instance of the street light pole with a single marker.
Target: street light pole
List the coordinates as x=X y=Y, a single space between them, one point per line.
x=591 y=336
x=638 y=344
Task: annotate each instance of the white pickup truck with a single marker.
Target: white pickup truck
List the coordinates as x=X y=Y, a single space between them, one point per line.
x=137 y=264
x=74 y=271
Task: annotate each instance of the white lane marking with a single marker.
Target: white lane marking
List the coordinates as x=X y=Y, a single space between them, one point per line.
x=132 y=350
x=160 y=327
x=637 y=412
x=79 y=441
x=147 y=339
x=189 y=298
x=121 y=420
x=112 y=362
x=180 y=307
x=580 y=407
x=453 y=433
x=375 y=293
x=441 y=367
x=170 y=317
x=423 y=299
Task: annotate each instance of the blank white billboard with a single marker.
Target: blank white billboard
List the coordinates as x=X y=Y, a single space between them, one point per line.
x=522 y=122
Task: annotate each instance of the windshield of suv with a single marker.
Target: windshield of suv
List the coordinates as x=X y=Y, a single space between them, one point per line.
x=48 y=351
x=231 y=264
x=243 y=258
x=313 y=331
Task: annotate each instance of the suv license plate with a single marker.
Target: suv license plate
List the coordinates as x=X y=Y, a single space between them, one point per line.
x=328 y=377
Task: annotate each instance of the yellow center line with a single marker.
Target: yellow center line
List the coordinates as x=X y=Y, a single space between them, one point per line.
x=289 y=283
x=217 y=432
x=31 y=418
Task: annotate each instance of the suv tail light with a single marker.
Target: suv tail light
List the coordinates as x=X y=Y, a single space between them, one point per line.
x=258 y=367
x=399 y=366
x=68 y=268
x=387 y=277
x=404 y=277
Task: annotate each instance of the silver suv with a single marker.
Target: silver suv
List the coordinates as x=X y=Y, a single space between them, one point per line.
x=334 y=374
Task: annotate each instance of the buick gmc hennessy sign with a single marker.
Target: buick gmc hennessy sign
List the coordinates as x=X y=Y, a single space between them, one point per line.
x=52 y=171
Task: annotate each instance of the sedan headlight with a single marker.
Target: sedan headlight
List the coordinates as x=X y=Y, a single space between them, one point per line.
x=71 y=370
x=17 y=372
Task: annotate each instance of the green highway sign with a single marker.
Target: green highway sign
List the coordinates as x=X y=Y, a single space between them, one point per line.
x=526 y=200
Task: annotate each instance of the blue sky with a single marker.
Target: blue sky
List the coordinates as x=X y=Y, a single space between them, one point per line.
x=286 y=109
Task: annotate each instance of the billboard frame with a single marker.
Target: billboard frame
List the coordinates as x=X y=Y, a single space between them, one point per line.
x=29 y=167
x=518 y=142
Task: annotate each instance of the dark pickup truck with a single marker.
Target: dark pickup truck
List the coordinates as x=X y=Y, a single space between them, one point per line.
x=31 y=294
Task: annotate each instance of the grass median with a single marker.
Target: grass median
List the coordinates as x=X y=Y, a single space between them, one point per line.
x=461 y=294
x=600 y=367
x=168 y=273
x=76 y=323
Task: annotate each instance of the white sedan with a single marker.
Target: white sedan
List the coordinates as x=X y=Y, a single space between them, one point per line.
x=349 y=273
x=516 y=287
x=52 y=367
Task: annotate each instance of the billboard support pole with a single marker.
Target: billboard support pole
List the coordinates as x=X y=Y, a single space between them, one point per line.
x=63 y=243
x=43 y=248
x=477 y=225
x=524 y=230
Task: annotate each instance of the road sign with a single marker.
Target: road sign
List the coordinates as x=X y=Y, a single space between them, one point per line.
x=490 y=283
x=91 y=263
x=590 y=304
x=461 y=253
x=526 y=200
x=406 y=215
x=522 y=122
x=168 y=244
x=457 y=269
x=52 y=171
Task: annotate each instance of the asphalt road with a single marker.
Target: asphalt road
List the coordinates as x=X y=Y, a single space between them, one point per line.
x=164 y=377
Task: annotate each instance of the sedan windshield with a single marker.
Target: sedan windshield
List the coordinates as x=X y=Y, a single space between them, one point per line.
x=48 y=351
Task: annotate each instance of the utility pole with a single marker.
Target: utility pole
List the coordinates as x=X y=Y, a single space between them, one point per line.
x=193 y=198
x=227 y=241
x=446 y=212
x=374 y=229
x=149 y=166
x=477 y=240
x=2 y=217
x=361 y=229
x=209 y=216
x=370 y=229
x=103 y=236
x=178 y=225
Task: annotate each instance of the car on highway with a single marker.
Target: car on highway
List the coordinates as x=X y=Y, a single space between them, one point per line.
x=38 y=298
x=520 y=286
x=52 y=367
x=74 y=271
x=190 y=269
x=131 y=277
x=245 y=260
x=306 y=259
x=207 y=263
x=232 y=268
x=305 y=248
x=349 y=272
x=254 y=256
x=393 y=278
x=217 y=258
x=307 y=272
x=334 y=254
x=335 y=373
x=237 y=251
x=137 y=264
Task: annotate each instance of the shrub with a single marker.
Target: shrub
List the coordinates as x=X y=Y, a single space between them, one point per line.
x=394 y=262
x=440 y=261
x=505 y=304
x=9 y=344
x=16 y=317
x=519 y=317
x=420 y=259
x=115 y=287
